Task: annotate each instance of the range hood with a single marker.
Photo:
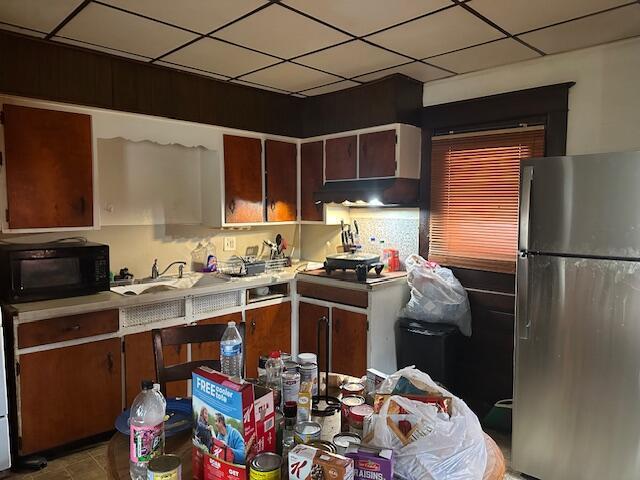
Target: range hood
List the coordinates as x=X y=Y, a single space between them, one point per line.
x=400 y=192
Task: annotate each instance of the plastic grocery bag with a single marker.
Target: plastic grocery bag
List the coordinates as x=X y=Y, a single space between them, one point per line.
x=436 y=295
x=438 y=446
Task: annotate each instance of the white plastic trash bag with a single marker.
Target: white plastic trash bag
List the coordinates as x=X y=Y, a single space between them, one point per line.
x=436 y=295
x=438 y=447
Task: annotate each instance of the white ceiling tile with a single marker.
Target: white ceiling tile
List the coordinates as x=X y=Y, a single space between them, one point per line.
x=36 y=14
x=200 y=15
x=112 y=28
x=517 y=16
x=281 y=32
x=416 y=70
x=290 y=77
x=352 y=59
x=605 y=27
x=191 y=70
x=348 y=15
x=332 y=87
x=111 y=51
x=219 y=57
x=439 y=33
x=488 y=55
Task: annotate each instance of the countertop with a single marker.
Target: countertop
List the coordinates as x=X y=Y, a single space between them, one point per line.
x=32 y=311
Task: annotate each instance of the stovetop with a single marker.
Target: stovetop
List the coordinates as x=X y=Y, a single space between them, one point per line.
x=350 y=276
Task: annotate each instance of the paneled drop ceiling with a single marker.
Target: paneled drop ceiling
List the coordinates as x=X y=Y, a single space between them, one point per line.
x=311 y=47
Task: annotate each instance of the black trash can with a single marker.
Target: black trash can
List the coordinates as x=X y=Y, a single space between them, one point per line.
x=431 y=347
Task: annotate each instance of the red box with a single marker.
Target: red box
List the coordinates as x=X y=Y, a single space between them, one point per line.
x=232 y=423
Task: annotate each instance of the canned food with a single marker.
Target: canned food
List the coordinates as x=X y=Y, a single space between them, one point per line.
x=305 y=432
x=323 y=445
x=290 y=386
x=352 y=388
x=309 y=373
x=164 y=467
x=342 y=441
x=358 y=416
x=265 y=466
x=290 y=366
x=347 y=404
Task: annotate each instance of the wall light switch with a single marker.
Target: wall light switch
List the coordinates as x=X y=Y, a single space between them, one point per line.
x=229 y=244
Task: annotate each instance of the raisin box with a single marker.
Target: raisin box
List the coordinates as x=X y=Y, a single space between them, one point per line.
x=371 y=463
x=309 y=463
x=232 y=422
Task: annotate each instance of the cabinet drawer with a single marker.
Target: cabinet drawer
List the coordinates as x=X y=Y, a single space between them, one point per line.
x=67 y=328
x=345 y=296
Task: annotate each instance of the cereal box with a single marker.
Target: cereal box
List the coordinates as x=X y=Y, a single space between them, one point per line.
x=308 y=463
x=232 y=423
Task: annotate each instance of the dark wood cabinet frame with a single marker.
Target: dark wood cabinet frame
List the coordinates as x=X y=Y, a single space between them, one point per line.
x=486 y=359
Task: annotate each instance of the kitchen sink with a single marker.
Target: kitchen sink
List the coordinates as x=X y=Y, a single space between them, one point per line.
x=166 y=283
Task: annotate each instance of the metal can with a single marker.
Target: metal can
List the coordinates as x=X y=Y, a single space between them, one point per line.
x=323 y=445
x=352 y=388
x=347 y=403
x=290 y=386
x=265 y=466
x=164 y=467
x=342 y=441
x=309 y=373
x=290 y=366
x=305 y=432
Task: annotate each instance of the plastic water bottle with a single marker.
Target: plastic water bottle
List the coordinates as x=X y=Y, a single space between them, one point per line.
x=231 y=351
x=146 y=425
x=275 y=367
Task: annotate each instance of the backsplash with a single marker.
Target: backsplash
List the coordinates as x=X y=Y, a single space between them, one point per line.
x=398 y=228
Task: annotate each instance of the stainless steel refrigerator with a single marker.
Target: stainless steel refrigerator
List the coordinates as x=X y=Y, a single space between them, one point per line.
x=577 y=351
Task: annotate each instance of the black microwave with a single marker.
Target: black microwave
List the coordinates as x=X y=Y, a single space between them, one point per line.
x=32 y=272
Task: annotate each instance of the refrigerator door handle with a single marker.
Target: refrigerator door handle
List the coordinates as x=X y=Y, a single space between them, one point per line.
x=525 y=207
x=522 y=306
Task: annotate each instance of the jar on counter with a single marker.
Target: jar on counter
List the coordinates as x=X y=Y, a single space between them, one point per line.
x=358 y=416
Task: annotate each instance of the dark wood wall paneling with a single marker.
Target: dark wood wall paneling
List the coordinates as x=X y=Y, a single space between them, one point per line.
x=485 y=362
x=35 y=68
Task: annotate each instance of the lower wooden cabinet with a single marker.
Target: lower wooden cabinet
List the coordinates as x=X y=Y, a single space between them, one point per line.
x=68 y=394
x=139 y=364
x=348 y=342
x=266 y=329
x=348 y=337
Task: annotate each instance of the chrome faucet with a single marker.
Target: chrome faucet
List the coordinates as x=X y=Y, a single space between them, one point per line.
x=156 y=274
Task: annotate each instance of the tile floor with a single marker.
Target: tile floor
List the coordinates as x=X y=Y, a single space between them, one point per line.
x=91 y=464
x=87 y=464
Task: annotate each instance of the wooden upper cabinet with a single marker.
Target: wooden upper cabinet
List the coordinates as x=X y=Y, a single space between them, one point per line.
x=281 y=162
x=341 y=158
x=311 y=180
x=378 y=154
x=242 y=179
x=69 y=393
x=49 y=163
x=266 y=329
x=348 y=342
x=308 y=316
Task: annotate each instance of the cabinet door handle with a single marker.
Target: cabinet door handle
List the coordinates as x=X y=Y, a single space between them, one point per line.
x=272 y=203
x=232 y=205
x=253 y=327
x=349 y=149
x=83 y=205
x=73 y=328
x=110 y=362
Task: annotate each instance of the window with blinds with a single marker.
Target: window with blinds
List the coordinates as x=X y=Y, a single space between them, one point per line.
x=474 y=196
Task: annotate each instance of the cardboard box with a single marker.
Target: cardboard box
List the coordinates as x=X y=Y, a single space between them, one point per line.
x=309 y=463
x=371 y=463
x=232 y=423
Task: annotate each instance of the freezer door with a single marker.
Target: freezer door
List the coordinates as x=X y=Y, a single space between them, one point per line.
x=585 y=205
x=577 y=369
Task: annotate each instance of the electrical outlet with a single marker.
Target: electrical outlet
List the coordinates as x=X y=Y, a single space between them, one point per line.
x=229 y=244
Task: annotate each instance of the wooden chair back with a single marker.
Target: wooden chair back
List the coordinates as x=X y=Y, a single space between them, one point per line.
x=163 y=337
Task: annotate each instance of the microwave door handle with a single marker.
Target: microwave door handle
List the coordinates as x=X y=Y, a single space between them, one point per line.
x=525 y=208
